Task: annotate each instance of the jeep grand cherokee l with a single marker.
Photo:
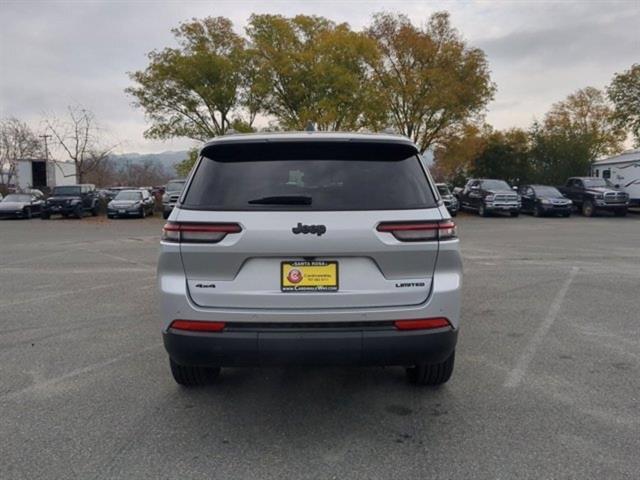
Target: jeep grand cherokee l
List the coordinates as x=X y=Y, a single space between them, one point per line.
x=310 y=248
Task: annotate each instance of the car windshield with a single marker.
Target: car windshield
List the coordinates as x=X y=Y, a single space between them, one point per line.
x=444 y=190
x=547 y=191
x=495 y=185
x=596 y=182
x=71 y=190
x=175 y=186
x=129 y=196
x=17 y=198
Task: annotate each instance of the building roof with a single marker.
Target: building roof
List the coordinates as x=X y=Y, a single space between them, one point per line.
x=624 y=157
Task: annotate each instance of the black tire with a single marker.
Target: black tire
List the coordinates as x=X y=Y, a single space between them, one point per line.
x=454 y=213
x=45 y=216
x=189 y=376
x=95 y=210
x=27 y=213
x=620 y=213
x=537 y=211
x=482 y=211
x=165 y=215
x=78 y=212
x=142 y=213
x=515 y=214
x=432 y=374
x=588 y=210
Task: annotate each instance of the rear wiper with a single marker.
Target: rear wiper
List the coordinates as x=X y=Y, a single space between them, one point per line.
x=282 y=200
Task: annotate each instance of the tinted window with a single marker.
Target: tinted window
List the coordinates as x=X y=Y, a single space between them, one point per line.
x=175 y=186
x=444 y=190
x=495 y=185
x=17 y=198
x=596 y=182
x=129 y=196
x=548 y=191
x=309 y=184
x=71 y=190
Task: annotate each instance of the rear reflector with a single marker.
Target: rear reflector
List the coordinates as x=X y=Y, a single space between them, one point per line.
x=422 y=324
x=197 y=326
x=198 y=232
x=420 y=231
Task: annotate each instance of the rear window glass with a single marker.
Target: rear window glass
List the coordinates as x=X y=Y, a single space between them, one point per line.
x=309 y=184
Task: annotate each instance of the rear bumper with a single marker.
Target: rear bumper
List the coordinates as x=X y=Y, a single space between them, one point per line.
x=304 y=346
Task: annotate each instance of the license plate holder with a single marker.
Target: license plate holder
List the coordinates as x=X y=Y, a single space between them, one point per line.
x=309 y=276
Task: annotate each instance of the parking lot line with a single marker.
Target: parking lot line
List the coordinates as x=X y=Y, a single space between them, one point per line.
x=518 y=372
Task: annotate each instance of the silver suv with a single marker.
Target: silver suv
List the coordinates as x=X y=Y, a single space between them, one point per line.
x=310 y=248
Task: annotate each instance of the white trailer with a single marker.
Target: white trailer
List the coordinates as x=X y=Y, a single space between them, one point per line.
x=622 y=170
x=40 y=174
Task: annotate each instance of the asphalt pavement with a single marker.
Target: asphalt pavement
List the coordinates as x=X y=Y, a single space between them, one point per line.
x=546 y=383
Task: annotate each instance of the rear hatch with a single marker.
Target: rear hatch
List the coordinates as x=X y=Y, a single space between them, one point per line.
x=301 y=225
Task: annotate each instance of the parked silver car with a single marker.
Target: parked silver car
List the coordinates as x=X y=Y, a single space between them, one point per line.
x=310 y=248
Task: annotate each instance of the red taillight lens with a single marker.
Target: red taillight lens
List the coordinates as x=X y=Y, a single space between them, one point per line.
x=420 y=231
x=198 y=232
x=197 y=326
x=422 y=323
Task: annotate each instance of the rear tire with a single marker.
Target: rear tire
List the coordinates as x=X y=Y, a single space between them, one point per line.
x=78 y=212
x=482 y=211
x=433 y=373
x=588 y=209
x=189 y=376
x=95 y=210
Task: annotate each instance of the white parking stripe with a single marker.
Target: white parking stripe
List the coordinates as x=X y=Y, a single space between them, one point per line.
x=518 y=372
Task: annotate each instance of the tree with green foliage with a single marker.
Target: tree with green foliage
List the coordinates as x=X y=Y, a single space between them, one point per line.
x=311 y=69
x=586 y=115
x=184 y=167
x=557 y=154
x=505 y=156
x=429 y=81
x=199 y=89
x=624 y=93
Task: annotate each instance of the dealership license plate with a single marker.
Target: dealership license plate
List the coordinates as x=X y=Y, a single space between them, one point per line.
x=121 y=211
x=309 y=276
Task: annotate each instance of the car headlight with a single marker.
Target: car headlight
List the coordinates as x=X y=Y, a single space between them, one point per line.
x=598 y=196
x=545 y=201
x=489 y=198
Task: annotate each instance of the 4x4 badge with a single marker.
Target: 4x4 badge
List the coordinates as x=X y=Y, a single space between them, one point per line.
x=317 y=229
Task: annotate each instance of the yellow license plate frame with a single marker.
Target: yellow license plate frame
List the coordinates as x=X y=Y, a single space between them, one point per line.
x=311 y=276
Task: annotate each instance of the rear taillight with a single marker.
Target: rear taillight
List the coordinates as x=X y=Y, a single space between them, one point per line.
x=197 y=326
x=422 y=323
x=198 y=232
x=420 y=231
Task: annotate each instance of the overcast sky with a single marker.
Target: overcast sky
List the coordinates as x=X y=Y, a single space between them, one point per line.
x=56 y=53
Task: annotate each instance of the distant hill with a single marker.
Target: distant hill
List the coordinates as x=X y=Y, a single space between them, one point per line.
x=167 y=159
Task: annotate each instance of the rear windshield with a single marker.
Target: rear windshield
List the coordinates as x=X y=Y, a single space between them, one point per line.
x=309 y=184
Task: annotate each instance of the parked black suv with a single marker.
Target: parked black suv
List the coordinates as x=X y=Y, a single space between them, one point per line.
x=541 y=200
x=593 y=193
x=486 y=196
x=71 y=200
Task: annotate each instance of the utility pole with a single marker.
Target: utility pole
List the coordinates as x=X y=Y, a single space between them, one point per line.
x=49 y=176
